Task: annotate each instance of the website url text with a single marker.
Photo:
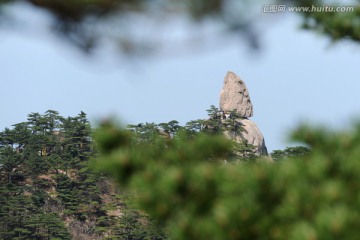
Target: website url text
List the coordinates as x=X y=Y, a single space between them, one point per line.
x=275 y=8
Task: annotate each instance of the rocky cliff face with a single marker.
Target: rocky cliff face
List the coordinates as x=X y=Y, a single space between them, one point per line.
x=235 y=97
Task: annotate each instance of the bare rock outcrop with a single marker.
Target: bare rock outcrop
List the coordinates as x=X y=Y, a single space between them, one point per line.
x=235 y=96
x=252 y=134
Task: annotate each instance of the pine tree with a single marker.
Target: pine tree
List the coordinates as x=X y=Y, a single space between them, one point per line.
x=290 y=153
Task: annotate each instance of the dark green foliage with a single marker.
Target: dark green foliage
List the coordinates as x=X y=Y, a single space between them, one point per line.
x=290 y=152
x=338 y=25
x=315 y=198
x=67 y=191
x=47 y=226
x=145 y=132
x=9 y=161
x=48 y=190
x=130 y=227
x=149 y=133
x=171 y=127
x=76 y=140
x=131 y=224
x=22 y=216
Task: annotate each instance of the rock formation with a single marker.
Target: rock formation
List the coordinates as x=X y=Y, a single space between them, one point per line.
x=235 y=97
x=252 y=135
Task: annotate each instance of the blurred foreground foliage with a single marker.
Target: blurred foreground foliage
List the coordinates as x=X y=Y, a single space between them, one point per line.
x=337 y=24
x=86 y=23
x=184 y=184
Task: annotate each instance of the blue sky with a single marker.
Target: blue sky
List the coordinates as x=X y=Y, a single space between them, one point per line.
x=297 y=76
